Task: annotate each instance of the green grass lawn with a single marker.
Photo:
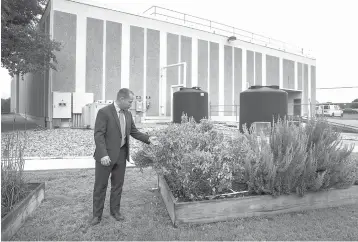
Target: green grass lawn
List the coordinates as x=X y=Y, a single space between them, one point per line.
x=68 y=205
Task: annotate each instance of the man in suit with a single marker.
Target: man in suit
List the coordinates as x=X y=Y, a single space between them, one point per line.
x=114 y=124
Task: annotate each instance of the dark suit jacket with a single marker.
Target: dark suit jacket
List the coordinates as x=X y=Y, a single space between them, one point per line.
x=108 y=136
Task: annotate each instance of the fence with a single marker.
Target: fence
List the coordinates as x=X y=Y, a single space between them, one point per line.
x=234 y=112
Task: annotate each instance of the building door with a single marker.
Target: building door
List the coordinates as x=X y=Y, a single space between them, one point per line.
x=297 y=107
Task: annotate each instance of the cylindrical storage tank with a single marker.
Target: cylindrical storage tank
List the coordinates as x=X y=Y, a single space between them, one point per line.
x=262 y=104
x=192 y=101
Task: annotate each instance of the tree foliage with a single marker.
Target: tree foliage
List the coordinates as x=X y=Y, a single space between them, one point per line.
x=24 y=47
x=355 y=103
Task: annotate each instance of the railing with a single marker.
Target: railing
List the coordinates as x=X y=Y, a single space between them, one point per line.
x=223 y=29
x=236 y=110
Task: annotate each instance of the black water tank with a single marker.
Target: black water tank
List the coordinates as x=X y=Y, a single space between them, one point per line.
x=262 y=104
x=192 y=101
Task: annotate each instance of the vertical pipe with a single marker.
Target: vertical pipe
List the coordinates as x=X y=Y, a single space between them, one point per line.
x=144 y=99
x=104 y=60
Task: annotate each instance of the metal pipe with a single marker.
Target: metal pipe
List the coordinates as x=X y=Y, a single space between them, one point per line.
x=162 y=83
x=184 y=73
x=172 y=65
x=172 y=103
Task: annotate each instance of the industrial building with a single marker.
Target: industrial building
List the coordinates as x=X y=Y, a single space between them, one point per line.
x=152 y=54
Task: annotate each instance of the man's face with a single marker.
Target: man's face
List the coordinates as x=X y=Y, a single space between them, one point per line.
x=126 y=103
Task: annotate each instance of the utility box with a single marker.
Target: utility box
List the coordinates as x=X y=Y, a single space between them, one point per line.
x=104 y=101
x=86 y=120
x=93 y=110
x=139 y=106
x=79 y=100
x=61 y=105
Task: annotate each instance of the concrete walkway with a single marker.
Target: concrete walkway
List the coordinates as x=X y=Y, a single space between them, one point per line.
x=350 y=122
x=48 y=163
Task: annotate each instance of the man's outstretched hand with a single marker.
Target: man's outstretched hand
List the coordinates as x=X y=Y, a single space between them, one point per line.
x=153 y=140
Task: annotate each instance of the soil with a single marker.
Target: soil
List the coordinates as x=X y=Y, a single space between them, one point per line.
x=27 y=189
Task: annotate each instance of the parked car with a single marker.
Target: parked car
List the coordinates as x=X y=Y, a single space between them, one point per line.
x=329 y=110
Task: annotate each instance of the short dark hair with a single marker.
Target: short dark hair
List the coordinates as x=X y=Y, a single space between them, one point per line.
x=124 y=92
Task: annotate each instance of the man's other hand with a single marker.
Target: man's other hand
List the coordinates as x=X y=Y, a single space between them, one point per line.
x=106 y=161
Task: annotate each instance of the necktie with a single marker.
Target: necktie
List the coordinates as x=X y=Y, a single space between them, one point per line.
x=123 y=126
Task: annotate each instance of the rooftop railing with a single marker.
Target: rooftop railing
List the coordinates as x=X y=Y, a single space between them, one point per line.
x=191 y=21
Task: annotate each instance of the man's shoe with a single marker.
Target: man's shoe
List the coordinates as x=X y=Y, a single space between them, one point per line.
x=117 y=216
x=95 y=220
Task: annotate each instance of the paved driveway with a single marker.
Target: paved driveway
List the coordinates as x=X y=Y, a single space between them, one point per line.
x=10 y=122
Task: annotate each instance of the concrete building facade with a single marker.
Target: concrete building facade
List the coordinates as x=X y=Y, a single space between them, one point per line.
x=104 y=50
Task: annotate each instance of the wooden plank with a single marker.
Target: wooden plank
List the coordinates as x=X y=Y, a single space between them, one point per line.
x=168 y=197
x=11 y=223
x=231 y=208
x=227 y=209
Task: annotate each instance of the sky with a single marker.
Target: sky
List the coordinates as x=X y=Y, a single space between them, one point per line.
x=325 y=27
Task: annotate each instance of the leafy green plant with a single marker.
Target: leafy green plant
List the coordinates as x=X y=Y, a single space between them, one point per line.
x=194 y=158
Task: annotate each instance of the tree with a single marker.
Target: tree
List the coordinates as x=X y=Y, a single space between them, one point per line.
x=24 y=48
x=355 y=103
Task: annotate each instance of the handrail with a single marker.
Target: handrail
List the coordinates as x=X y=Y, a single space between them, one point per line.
x=214 y=26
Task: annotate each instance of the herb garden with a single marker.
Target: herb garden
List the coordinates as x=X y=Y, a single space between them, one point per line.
x=198 y=163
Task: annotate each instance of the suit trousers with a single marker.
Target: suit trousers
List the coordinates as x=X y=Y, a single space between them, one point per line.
x=117 y=170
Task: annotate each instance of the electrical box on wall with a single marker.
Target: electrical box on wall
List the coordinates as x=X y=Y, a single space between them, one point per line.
x=104 y=101
x=61 y=104
x=86 y=116
x=93 y=110
x=79 y=100
x=139 y=106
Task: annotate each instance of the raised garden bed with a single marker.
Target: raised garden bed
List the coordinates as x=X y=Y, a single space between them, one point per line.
x=248 y=206
x=11 y=223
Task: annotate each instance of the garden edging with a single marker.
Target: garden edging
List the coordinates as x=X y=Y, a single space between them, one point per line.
x=11 y=223
x=230 y=208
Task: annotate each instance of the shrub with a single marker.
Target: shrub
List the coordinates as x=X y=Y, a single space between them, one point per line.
x=194 y=158
x=333 y=160
x=300 y=159
x=12 y=166
x=199 y=161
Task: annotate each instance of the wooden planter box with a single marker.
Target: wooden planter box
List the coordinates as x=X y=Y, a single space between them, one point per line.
x=11 y=223
x=230 y=208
